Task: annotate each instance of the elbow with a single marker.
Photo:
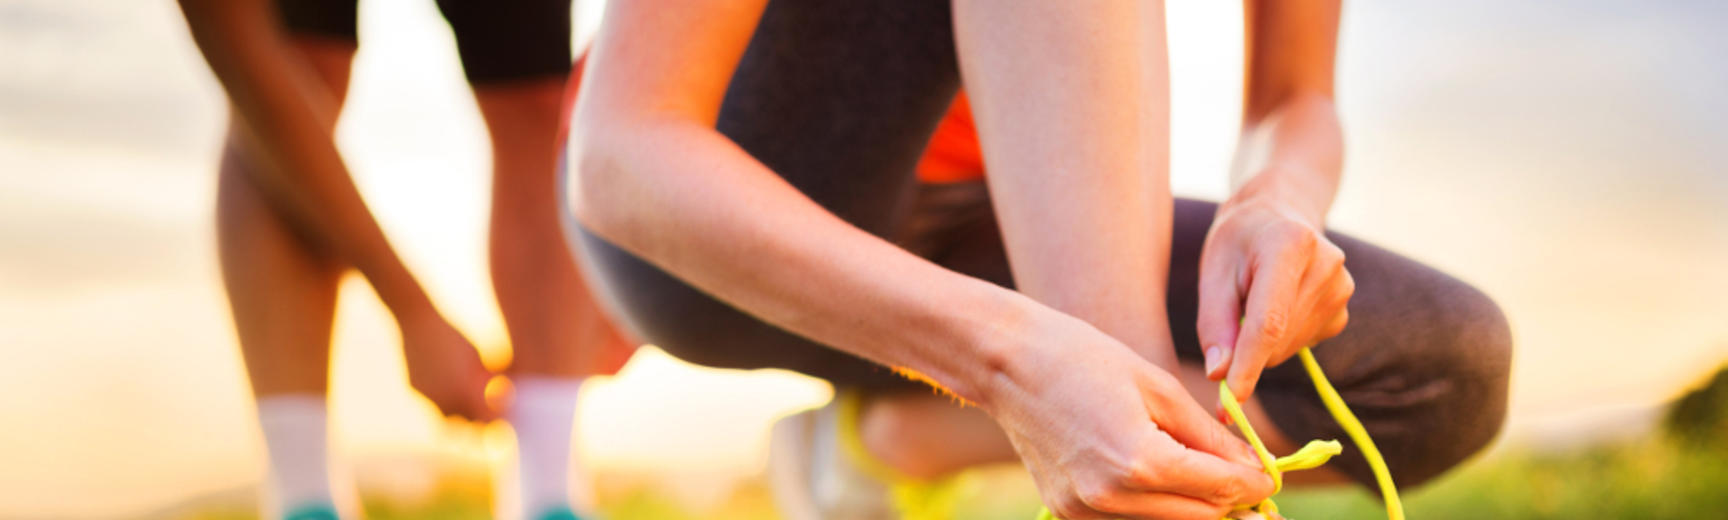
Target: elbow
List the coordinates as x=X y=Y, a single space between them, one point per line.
x=605 y=191
x=594 y=186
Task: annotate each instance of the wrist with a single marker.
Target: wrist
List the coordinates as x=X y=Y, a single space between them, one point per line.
x=992 y=331
x=1284 y=189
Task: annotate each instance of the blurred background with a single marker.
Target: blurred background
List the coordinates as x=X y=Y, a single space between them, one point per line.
x=1565 y=157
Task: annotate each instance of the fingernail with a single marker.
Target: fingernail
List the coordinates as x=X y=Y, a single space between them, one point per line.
x=1214 y=359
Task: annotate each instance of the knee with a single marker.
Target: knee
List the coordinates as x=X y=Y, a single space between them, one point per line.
x=1470 y=361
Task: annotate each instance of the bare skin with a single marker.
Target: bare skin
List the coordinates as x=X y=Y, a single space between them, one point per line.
x=1070 y=374
x=1292 y=162
x=282 y=289
x=555 y=327
x=290 y=223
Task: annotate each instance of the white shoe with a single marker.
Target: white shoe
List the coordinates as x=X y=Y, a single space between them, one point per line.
x=819 y=469
x=811 y=476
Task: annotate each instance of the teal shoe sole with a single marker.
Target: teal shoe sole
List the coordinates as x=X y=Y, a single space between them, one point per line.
x=312 y=512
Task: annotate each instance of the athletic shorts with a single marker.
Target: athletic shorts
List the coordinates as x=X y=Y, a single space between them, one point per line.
x=497 y=40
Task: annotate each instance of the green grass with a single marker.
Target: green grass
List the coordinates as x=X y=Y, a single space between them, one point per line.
x=1648 y=479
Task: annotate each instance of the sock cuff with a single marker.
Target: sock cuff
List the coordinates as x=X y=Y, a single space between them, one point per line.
x=291 y=408
x=541 y=394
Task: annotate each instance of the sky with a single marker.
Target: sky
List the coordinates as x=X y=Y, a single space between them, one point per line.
x=1565 y=158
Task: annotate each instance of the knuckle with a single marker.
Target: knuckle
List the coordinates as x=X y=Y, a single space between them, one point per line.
x=1095 y=496
x=1332 y=253
x=1274 y=324
x=1144 y=473
x=1302 y=237
x=1347 y=285
x=1227 y=491
x=1337 y=326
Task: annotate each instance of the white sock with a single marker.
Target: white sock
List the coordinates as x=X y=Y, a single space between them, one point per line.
x=543 y=416
x=295 y=436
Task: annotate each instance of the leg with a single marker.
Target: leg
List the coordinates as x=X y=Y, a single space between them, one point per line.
x=558 y=335
x=517 y=59
x=282 y=294
x=281 y=291
x=555 y=327
x=1424 y=362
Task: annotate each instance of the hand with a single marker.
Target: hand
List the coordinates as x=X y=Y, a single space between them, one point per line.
x=444 y=366
x=1271 y=255
x=1107 y=434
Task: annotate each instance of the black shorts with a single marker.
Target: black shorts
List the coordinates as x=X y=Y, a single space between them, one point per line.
x=498 y=41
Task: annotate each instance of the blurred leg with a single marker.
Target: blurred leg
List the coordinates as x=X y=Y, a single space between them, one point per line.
x=281 y=290
x=558 y=335
x=517 y=58
x=554 y=325
x=282 y=294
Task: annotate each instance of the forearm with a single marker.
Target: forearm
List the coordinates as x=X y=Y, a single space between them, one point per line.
x=1292 y=146
x=688 y=200
x=1072 y=105
x=1295 y=154
x=287 y=118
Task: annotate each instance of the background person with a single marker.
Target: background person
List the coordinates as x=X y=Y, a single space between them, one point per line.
x=290 y=222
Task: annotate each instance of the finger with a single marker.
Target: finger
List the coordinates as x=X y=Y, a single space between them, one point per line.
x=1335 y=326
x=480 y=407
x=500 y=394
x=1186 y=422
x=1272 y=293
x=1141 y=505
x=1219 y=314
x=1203 y=476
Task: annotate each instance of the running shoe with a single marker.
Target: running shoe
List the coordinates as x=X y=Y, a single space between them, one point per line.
x=819 y=470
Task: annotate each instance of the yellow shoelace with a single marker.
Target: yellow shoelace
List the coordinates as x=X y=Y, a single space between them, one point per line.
x=1315 y=452
x=913 y=499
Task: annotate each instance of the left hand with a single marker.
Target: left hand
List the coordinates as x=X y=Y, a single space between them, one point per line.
x=1270 y=284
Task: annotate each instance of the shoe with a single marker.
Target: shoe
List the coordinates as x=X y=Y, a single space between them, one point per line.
x=558 y=513
x=311 y=512
x=818 y=469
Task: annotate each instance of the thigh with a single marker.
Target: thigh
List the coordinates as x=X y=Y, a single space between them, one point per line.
x=839 y=98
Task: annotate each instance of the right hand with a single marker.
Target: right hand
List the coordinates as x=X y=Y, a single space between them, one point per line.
x=1107 y=434
x=446 y=368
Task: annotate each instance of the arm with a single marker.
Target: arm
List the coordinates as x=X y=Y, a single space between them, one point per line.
x=285 y=116
x=1072 y=103
x=656 y=179
x=720 y=220
x=1271 y=283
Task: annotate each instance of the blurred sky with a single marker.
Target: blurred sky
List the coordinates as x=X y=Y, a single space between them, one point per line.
x=1565 y=157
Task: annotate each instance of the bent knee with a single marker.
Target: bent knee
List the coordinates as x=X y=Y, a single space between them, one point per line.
x=1468 y=370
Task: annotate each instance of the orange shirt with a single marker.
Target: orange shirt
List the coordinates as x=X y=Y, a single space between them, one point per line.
x=953 y=154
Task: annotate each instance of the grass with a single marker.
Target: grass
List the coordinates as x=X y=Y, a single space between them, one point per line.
x=1648 y=479
x=1681 y=473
